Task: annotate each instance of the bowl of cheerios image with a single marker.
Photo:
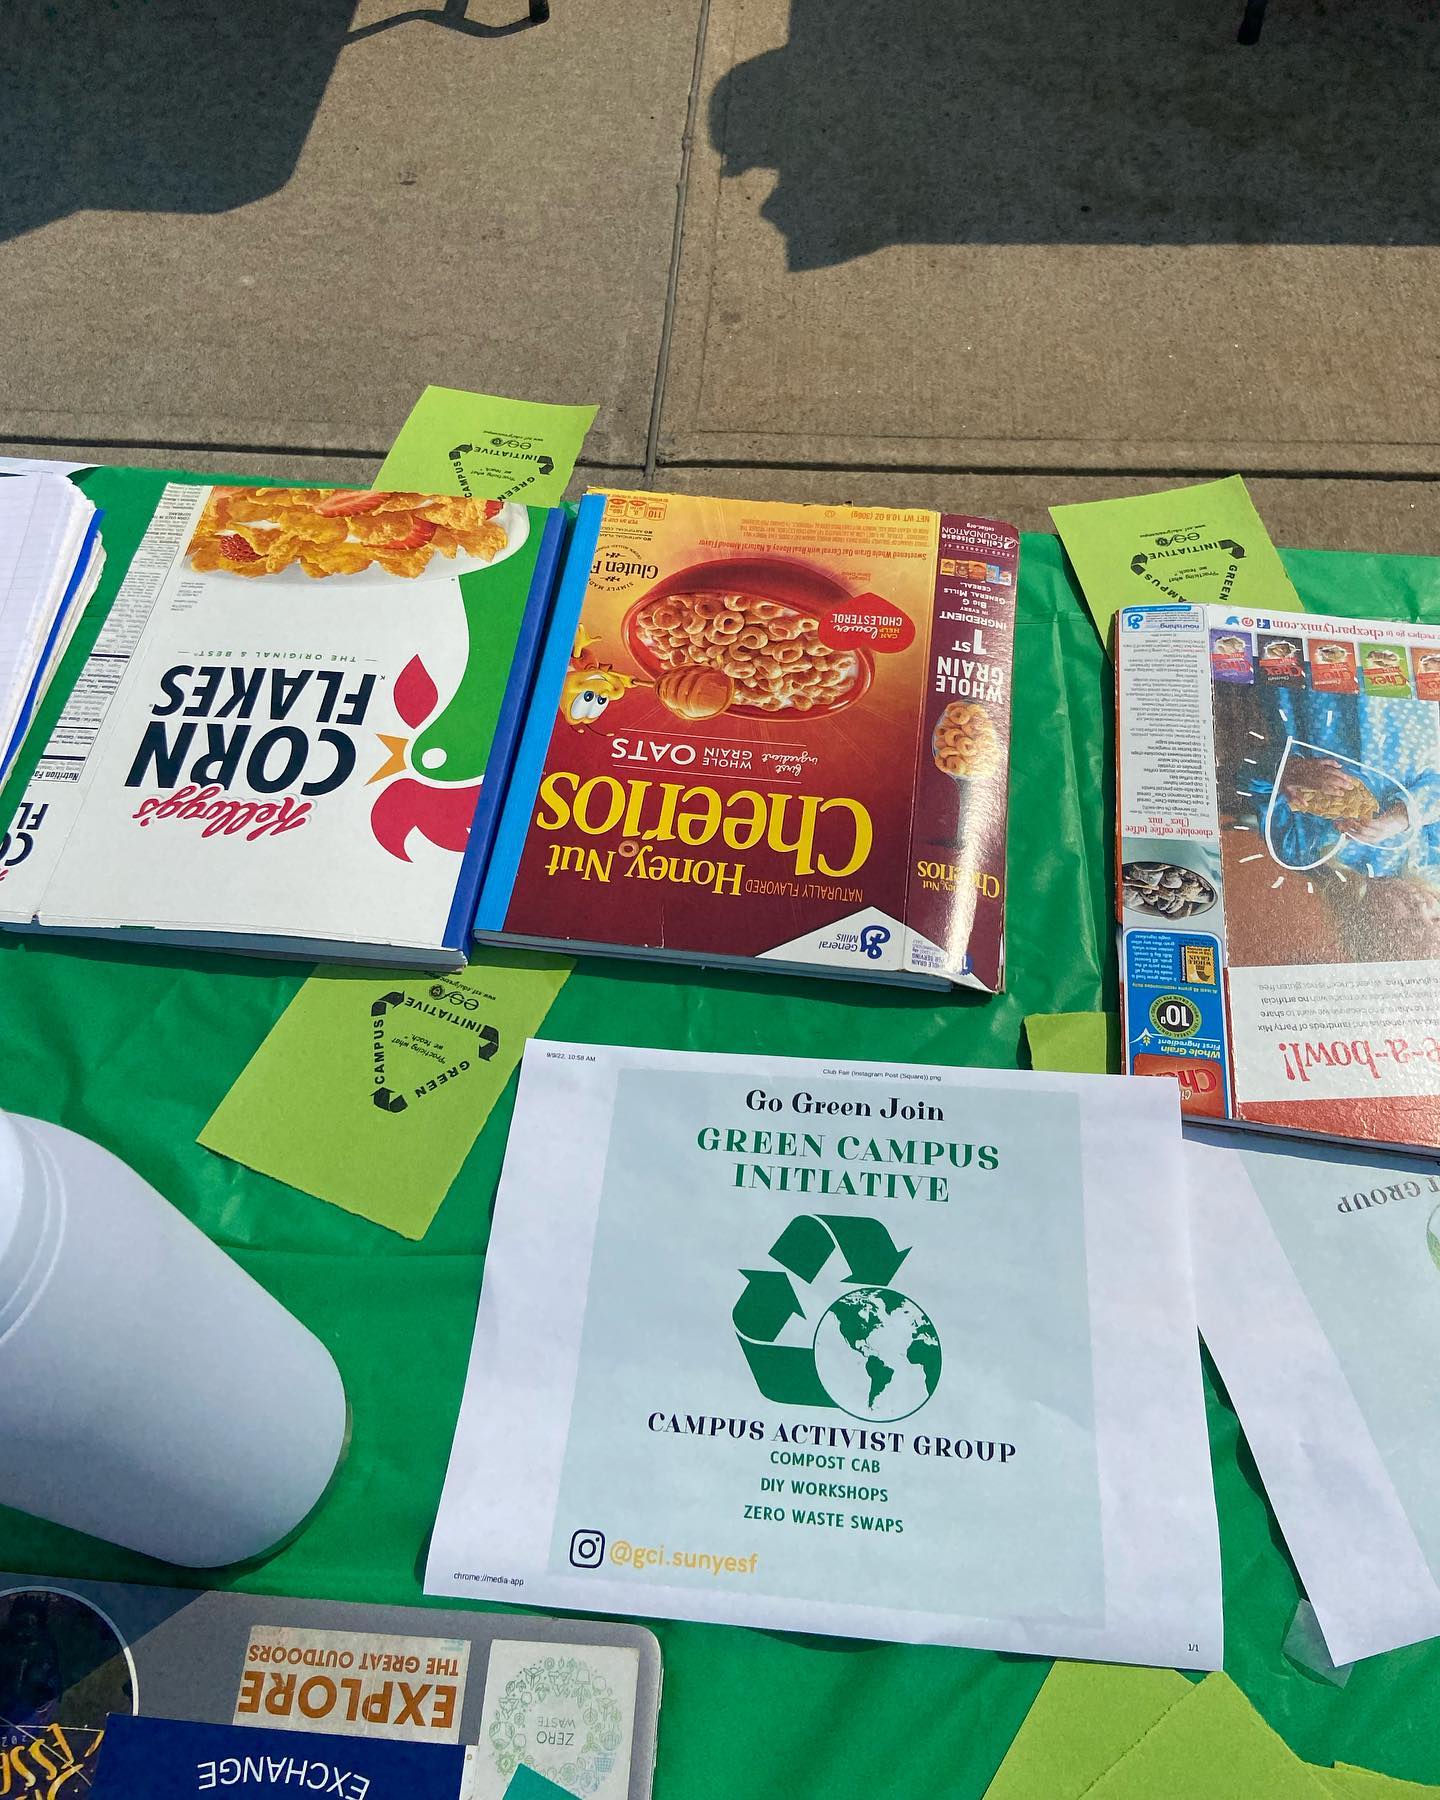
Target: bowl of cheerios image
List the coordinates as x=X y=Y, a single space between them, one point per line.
x=964 y=743
x=755 y=621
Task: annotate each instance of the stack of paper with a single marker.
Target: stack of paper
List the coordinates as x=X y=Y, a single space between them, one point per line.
x=50 y=561
x=1297 y=1250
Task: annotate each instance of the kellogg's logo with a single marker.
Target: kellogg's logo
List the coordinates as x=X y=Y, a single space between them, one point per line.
x=220 y=816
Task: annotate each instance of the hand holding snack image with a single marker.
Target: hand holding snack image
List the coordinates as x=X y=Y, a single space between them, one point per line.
x=1345 y=765
x=1318 y=785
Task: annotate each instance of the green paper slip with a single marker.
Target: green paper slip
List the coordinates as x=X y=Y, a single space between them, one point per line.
x=1364 y=1784
x=1099 y=1731
x=459 y=443
x=1085 y=1718
x=371 y=1088
x=1081 y=1043
x=1204 y=544
x=1212 y=1745
x=527 y=1784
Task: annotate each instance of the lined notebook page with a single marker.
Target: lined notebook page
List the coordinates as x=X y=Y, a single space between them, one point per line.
x=43 y=523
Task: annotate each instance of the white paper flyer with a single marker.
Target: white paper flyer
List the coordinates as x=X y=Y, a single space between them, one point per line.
x=890 y=1352
x=1317 y=1274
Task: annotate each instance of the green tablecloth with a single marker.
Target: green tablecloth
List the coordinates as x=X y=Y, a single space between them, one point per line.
x=136 y=1049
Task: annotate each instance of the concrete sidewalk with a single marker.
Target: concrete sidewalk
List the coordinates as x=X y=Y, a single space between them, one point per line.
x=978 y=255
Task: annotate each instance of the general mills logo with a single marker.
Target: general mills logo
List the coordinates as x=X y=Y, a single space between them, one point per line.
x=587 y=1548
x=873 y=940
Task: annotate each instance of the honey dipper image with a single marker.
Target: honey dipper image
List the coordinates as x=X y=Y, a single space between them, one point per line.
x=695 y=692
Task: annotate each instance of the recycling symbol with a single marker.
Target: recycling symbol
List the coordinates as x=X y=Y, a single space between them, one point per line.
x=545 y=464
x=1139 y=562
x=487 y=1042
x=787 y=1373
x=385 y=1098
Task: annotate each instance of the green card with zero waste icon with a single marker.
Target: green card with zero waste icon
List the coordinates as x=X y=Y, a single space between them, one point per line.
x=370 y=1089
x=459 y=443
x=1204 y=544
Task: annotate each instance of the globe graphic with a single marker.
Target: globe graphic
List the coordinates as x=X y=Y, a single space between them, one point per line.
x=877 y=1353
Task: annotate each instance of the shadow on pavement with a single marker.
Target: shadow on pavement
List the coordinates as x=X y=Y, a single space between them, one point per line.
x=158 y=105
x=187 y=106
x=984 y=121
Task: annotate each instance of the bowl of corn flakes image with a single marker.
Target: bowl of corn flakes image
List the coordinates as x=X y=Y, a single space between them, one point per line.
x=297 y=535
x=756 y=621
x=964 y=743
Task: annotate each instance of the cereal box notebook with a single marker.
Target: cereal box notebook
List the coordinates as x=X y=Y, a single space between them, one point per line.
x=769 y=736
x=295 y=727
x=1279 y=868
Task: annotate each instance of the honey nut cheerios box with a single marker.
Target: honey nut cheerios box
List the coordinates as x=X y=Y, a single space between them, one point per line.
x=768 y=733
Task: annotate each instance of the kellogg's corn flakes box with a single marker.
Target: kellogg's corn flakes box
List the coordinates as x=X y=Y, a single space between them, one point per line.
x=294 y=729
x=770 y=734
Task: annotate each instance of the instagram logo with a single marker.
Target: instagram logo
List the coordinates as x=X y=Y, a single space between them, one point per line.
x=587 y=1549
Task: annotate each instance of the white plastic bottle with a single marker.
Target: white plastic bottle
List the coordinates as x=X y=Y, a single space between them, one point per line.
x=151 y=1393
